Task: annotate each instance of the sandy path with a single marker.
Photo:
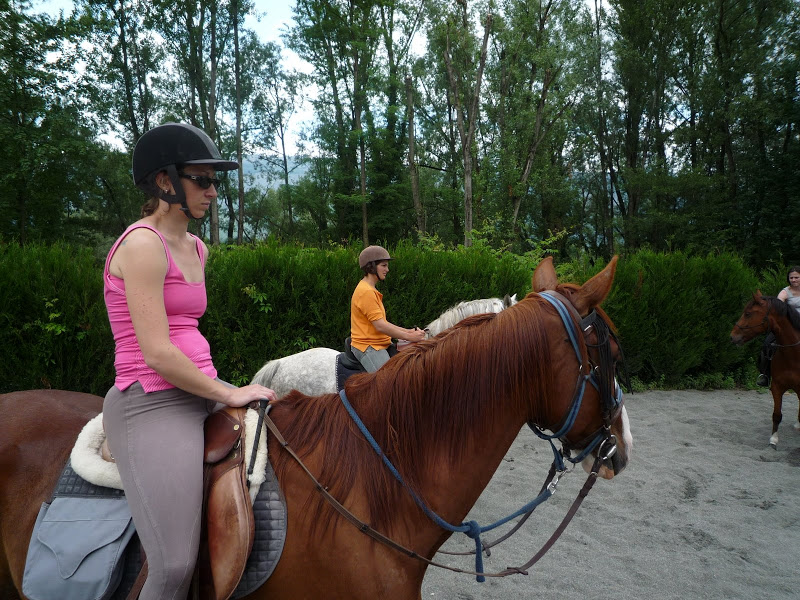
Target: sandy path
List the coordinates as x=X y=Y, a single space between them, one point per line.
x=705 y=510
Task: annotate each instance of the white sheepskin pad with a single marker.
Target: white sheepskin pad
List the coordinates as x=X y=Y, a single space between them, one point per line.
x=89 y=464
x=86 y=459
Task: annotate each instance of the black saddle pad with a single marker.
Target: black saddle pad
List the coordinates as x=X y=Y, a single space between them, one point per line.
x=345 y=367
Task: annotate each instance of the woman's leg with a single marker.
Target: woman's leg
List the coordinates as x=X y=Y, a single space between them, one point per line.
x=157 y=441
x=765 y=360
x=371 y=359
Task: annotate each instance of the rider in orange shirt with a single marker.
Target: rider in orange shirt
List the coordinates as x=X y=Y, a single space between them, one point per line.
x=370 y=332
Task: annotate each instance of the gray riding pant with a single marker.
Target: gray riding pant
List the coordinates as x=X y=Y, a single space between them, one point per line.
x=371 y=359
x=157 y=443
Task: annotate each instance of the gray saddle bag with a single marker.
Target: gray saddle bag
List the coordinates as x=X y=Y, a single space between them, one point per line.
x=77 y=548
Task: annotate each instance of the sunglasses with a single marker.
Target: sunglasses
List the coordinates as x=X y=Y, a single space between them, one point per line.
x=203 y=181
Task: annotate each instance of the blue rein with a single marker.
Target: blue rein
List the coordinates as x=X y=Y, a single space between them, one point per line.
x=471 y=528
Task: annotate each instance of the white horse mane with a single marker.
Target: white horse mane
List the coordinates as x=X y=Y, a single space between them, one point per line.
x=462 y=310
x=313 y=371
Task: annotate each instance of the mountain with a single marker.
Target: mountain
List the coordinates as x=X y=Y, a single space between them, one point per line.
x=265 y=175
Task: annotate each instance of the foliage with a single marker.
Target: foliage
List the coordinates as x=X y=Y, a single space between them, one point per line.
x=270 y=300
x=675 y=313
x=54 y=329
x=274 y=300
x=624 y=125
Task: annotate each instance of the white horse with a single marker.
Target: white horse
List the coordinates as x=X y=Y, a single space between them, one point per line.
x=313 y=371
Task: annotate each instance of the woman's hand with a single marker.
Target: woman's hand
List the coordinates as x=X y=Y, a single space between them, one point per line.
x=250 y=393
x=415 y=335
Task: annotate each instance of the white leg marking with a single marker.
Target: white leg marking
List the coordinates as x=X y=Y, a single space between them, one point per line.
x=773 y=440
x=796 y=426
x=626 y=432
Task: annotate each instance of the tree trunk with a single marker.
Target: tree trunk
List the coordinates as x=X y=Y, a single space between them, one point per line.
x=470 y=113
x=413 y=169
x=237 y=75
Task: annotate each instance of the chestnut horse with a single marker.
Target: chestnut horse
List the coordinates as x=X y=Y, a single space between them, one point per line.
x=444 y=412
x=761 y=315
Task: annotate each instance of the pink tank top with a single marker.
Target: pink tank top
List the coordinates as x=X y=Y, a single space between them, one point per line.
x=184 y=302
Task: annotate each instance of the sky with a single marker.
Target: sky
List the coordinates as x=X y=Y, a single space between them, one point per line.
x=272 y=18
x=275 y=15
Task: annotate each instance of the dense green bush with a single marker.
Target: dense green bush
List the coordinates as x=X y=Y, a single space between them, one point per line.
x=674 y=312
x=54 y=331
x=270 y=301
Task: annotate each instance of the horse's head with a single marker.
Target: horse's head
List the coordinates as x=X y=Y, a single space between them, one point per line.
x=600 y=428
x=754 y=320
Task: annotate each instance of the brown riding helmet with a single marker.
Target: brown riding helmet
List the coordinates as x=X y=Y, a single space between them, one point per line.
x=372 y=254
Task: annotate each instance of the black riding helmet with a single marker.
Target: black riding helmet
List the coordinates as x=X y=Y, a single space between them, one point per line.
x=168 y=147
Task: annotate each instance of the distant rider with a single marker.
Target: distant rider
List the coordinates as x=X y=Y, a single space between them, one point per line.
x=791 y=295
x=370 y=332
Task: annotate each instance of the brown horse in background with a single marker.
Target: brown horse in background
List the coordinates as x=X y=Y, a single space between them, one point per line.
x=445 y=412
x=761 y=315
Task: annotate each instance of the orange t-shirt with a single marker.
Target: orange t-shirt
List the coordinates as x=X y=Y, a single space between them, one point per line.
x=366 y=306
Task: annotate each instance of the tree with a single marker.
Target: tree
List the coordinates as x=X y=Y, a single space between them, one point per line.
x=48 y=147
x=122 y=63
x=339 y=39
x=464 y=67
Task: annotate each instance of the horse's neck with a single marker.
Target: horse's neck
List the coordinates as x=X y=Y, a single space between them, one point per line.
x=454 y=487
x=784 y=331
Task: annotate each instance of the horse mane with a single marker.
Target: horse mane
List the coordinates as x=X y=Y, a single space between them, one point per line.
x=783 y=310
x=463 y=310
x=420 y=405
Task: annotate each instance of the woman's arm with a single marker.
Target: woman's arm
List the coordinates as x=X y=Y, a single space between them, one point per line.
x=143 y=263
x=783 y=295
x=401 y=333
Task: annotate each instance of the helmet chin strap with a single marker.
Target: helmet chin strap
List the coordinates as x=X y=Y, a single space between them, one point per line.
x=180 y=194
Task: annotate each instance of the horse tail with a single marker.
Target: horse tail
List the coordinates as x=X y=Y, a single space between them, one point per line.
x=266 y=373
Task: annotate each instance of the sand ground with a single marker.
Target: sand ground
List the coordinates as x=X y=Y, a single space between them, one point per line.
x=705 y=510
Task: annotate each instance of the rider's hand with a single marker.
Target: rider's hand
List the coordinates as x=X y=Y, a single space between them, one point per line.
x=416 y=335
x=249 y=393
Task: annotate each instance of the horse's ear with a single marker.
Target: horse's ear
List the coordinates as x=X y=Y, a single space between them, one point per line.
x=593 y=292
x=544 y=276
x=509 y=300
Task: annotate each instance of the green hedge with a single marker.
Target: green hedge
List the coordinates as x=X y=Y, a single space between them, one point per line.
x=270 y=301
x=54 y=331
x=674 y=312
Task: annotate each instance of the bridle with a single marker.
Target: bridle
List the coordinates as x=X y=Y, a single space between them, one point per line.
x=599 y=374
x=764 y=321
x=768 y=329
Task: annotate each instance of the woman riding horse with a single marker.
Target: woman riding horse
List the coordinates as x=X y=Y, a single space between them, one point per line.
x=370 y=332
x=791 y=295
x=444 y=413
x=166 y=384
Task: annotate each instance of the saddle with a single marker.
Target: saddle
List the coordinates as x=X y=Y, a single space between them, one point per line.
x=229 y=528
x=347 y=364
x=80 y=544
